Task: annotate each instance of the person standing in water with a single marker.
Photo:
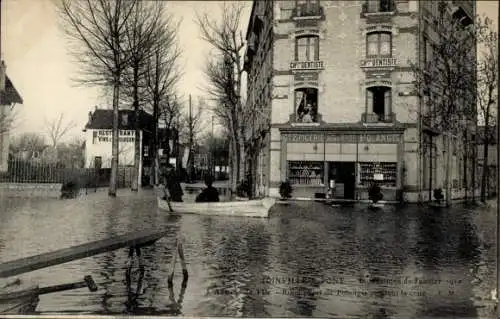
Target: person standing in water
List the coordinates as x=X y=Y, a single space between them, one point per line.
x=172 y=184
x=209 y=194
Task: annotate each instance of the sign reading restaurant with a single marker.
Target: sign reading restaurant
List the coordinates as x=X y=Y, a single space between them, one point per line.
x=344 y=138
x=124 y=135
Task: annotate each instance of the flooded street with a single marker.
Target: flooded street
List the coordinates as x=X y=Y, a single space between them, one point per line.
x=308 y=259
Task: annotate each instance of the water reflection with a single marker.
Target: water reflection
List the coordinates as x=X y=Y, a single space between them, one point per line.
x=308 y=259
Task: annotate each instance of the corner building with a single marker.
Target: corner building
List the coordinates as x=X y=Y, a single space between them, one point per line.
x=335 y=81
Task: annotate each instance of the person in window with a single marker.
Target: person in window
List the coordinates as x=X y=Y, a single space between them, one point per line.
x=209 y=194
x=172 y=184
x=307 y=117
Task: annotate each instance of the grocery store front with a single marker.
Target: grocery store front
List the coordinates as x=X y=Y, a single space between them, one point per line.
x=346 y=161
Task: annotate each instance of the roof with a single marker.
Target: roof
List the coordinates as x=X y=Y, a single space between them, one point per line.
x=10 y=95
x=102 y=119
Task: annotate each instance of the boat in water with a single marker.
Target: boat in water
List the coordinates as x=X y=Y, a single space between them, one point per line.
x=241 y=208
x=19 y=302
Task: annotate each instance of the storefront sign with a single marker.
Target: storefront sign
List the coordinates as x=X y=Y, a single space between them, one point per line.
x=126 y=136
x=344 y=138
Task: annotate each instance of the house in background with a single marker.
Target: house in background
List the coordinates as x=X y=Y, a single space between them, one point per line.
x=98 y=138
x=8 y=98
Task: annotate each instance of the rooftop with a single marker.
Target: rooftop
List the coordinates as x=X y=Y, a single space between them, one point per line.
x=102 y=119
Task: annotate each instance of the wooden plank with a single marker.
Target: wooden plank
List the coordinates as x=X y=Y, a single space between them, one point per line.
x=23 y=265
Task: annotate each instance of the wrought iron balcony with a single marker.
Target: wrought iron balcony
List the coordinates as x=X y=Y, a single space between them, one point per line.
x=308 y=11
x=379 y=63
x=307 y=65
x=372 y=118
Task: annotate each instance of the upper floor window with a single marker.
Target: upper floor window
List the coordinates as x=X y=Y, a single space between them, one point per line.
x=304 y=8
x=373 y=6
x=379 y=44
x=378 y=99
x=307 y=48
x=306 y=105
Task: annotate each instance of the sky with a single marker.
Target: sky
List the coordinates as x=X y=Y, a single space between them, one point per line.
x=38 y=64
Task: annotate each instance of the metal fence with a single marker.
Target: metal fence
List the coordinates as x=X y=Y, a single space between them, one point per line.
x=25 y=171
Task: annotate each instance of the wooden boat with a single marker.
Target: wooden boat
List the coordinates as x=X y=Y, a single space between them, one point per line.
x=19 y=302
x=23 y=301
x=375 y=205
x=249 y=208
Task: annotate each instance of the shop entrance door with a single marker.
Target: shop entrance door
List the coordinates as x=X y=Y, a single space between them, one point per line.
x=346 y=176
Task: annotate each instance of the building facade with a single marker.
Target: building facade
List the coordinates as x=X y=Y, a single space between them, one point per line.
x=8 y=98
x=336 y=85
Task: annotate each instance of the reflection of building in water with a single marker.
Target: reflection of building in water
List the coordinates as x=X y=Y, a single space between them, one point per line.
x=336 y=86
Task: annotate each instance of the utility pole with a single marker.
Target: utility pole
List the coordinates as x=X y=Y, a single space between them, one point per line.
x=212 y=170
x=498 y=189
x=190 y=157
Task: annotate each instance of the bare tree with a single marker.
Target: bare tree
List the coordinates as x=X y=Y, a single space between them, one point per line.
x=142 y=34
x=97 y=31
x=192 y=121
x=27 y=144
x=446 y=82
x=8 y=118
x=161 y=76
x=487 y=96
x=225 y=73
x=57 y=128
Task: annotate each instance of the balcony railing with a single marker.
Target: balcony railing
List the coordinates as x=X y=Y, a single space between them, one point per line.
x=307 y=11
x=378 y=118
x=307 y=65
x=379 y=63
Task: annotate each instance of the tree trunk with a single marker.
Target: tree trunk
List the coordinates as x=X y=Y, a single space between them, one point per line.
x=241 y=155
x=484 y=177
x=234 y=164
x=114 y=146
x=137 y=143
x=447 y=170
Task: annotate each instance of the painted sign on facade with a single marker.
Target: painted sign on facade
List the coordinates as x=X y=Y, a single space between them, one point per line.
x=127 y=136
x=344 y=138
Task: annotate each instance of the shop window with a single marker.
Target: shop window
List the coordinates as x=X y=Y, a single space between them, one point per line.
x=378 y=100
x=307 y=48
x=305 y=172
x=306 y=105
x=386 y=170
x=379 y=44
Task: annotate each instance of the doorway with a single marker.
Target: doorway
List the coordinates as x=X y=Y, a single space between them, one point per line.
x=345 y=179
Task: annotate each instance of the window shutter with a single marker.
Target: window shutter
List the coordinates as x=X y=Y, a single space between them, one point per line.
x=387 y=102
x=369 y=101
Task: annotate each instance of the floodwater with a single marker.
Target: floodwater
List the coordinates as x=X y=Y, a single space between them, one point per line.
x=307 y=259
